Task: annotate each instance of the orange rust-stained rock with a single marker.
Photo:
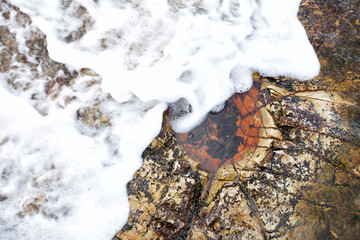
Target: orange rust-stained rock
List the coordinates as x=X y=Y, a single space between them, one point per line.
x=224 y=137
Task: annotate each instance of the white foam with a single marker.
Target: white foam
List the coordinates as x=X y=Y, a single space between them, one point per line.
x=79 y=185
x=220 y=46
x=149 y=54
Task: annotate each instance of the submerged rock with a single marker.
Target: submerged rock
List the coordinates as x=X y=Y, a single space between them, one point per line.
x=281 y=161
x=45 y=82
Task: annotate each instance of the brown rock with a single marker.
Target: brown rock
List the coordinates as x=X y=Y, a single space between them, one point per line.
x=300 y=179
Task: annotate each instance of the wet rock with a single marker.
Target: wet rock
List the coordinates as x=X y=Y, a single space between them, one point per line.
x=27 y=52
x=291 y=169
x=93 y=117
x=298 y=179
x=165 y=189
x=30 y=73
x=227 y=216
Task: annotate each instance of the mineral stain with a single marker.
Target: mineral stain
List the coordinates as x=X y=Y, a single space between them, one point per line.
x=225 y=136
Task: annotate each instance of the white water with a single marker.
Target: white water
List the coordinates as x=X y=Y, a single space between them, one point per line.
x=148 y=54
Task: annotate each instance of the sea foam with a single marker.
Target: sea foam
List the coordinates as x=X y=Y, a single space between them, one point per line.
x=144 y=49
x=192 y=55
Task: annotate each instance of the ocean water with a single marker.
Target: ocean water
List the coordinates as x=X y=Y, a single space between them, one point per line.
x=63 y=180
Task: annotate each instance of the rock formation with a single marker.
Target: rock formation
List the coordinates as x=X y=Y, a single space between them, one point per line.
x=281 y=161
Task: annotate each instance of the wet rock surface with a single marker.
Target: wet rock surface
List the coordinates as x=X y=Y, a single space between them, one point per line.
x=27 y=71
x=46 y=83
x=292 y=171
x=29 y=55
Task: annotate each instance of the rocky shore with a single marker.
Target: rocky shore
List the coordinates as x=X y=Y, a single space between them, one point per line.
x=281 y=161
